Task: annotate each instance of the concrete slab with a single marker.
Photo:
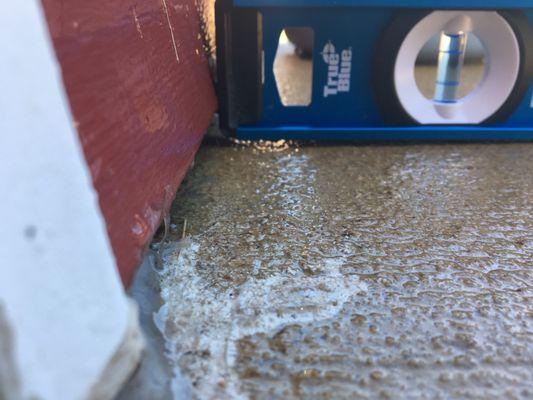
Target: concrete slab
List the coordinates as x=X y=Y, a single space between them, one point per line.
x=352 y=272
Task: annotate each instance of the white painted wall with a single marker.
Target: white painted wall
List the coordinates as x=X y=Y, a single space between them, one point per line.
x=60 y=295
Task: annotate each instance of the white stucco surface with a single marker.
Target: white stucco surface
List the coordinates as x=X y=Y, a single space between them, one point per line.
x=61 y=295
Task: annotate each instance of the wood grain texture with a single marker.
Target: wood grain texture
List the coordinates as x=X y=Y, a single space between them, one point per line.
x=141 y=96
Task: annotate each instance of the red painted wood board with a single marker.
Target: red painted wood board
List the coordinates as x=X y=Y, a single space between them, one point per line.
x=141 y=97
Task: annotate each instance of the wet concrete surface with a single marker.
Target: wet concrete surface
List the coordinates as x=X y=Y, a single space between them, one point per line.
x=344 y=272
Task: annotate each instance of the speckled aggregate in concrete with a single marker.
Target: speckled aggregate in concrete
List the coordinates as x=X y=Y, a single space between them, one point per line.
x=353 y=272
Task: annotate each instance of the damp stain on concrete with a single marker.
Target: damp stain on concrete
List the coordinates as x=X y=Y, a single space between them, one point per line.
x=352 y=272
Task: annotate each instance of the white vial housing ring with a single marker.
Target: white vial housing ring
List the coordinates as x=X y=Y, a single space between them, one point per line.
x=503 y=57
x=506 y=38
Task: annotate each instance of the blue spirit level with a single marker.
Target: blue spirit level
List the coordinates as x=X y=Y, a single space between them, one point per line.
x=364 y=55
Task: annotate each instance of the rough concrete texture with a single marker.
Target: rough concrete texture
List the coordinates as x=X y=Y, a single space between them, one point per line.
x=352 y=272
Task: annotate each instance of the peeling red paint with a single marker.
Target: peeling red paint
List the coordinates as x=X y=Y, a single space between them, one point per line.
x=141 y=96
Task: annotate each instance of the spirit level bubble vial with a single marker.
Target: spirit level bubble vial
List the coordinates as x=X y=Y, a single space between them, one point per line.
x=362 y=58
